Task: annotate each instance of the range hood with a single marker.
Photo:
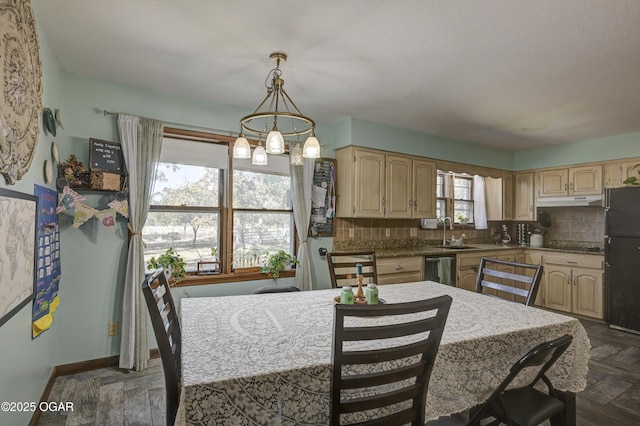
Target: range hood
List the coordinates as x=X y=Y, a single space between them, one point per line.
x=581 y=201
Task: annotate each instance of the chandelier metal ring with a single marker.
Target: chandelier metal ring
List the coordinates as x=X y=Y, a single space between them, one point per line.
x=246 y=123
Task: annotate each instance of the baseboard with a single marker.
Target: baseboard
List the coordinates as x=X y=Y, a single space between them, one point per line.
x=78 y=367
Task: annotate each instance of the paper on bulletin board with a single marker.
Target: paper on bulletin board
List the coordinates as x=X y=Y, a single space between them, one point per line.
x=48 y=270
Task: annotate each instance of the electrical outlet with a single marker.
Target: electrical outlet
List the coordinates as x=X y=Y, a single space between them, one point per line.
x=413 y=232
x=113 y=328
x=351 y=233
x=387 y=232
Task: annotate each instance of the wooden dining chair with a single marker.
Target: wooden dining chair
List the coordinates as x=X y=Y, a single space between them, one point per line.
x=276 y=289
x=526 y=405
x=382 y=356
x=166 y=327
x=342 y=268
x=520 y=281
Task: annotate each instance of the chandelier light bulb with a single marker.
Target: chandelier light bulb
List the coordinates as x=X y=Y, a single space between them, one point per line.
x=296 y=155
x=259 y=157
x=241 y=148
x=311 y=147
x=275 y=142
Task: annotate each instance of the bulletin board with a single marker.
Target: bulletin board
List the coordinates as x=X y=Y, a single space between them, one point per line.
x=48 y=270
x=323 y=198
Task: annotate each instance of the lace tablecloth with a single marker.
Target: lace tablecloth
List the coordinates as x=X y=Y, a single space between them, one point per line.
x=266 y=359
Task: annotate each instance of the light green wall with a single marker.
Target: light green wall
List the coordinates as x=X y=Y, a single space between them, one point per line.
x=379 y=136
x=25 y=364
x=594 y=150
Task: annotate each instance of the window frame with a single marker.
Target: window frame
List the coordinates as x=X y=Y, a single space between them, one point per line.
x=225 y=210
x=448 y=198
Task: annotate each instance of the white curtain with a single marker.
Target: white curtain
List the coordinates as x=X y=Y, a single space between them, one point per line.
x=301 y=188
x=141 y=140
x=479 y=203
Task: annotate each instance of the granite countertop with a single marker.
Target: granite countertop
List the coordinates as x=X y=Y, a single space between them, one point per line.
x=429 y=250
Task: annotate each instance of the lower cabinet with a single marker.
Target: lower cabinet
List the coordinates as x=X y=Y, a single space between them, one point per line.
x=467 y=268
x=574 y=284
x=396 y=270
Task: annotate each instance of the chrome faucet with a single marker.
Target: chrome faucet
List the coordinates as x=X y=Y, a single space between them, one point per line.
x=444 y=229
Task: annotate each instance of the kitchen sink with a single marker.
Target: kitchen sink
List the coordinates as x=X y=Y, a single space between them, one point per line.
x=457 y=247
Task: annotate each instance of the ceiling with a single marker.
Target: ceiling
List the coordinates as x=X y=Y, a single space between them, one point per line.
x=506 y=74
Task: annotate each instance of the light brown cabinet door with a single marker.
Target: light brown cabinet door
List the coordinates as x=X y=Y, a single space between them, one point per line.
x=398 y=199
x=523 y=207
x=424 y=189
x=587 y=292
x=553 y=183
x=467 y=277
x=585 y=180
x=369 y=184
x=558 y=288
x=613 y=174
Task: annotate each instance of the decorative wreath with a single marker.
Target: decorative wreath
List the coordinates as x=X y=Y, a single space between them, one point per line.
x=21 y=88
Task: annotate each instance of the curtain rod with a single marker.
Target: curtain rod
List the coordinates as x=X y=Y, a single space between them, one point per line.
x=105 y=113
x=225 y=132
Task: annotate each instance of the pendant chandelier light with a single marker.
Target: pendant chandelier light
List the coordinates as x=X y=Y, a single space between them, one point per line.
x=275 y=119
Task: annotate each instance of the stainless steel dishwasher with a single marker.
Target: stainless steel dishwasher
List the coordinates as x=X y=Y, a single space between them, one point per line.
x=440 y=268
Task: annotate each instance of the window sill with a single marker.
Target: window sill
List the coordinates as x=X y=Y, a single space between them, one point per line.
x=193 y=279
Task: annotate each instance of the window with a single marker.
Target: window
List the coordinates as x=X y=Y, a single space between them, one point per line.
x=262 y=213
x=454 y=196
x=195 y=210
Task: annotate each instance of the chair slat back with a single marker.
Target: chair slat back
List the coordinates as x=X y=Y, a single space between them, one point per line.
x=518 y=282
x=342 y=268
x=385 y=354
x=166 y=327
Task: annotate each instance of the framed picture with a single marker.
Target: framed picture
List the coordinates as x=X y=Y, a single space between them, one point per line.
x=18 y=213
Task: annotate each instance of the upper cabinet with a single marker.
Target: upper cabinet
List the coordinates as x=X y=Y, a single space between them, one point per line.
x=375 y=184
x=499 y=196
x=584 y=180
x=523 y=191
x=617 y=172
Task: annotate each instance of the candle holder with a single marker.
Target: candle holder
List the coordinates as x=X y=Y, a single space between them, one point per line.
x=360 y=293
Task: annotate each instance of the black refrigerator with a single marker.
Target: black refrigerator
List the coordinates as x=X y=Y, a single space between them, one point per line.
x=622 y=258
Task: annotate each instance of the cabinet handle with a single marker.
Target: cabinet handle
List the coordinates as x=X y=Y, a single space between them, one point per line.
x=399 y=267
x=573 y=262
x=410 y=203
x=530 y=207
x=382 y=200
x=565 y=186
x=575 y=280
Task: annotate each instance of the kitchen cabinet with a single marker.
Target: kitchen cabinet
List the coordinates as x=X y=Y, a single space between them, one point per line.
x=574 y=283
x=395 y=270
x=375 y=184
x=575 y=181
x=613 y=174
x=523 y=194
x=499 y=193
x=534 y=257
x=467 y=267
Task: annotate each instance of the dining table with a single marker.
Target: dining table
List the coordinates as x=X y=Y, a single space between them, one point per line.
x=266 y=358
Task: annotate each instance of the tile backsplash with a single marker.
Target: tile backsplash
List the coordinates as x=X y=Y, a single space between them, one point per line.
x=580 y=226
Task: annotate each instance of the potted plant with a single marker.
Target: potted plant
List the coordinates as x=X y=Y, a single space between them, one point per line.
x=278 y=262
x=462 y=219
x=633 y=180
x=172 y=263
